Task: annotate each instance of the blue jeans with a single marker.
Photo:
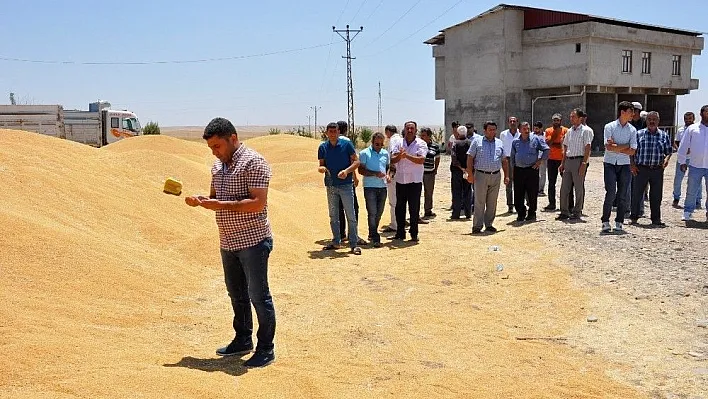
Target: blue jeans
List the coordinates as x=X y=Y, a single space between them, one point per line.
x=678 y=180
x=617 y=178
x=246 y=277
x=345 y=193
x=694 y=186
x=375 y=199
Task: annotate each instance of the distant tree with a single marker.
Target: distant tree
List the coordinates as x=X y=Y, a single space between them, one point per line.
x=439 y=135
x=365 y=134
x=151 y=128
x=274 y=130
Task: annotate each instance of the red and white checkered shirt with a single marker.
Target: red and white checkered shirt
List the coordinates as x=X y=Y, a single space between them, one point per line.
x=241 y=230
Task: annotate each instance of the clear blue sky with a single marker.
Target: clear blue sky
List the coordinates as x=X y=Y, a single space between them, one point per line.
x=264 y=90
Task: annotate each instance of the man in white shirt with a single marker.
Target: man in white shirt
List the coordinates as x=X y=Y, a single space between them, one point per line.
x=689 y=118
x=695 y=142
x=507 y=137
x=408 y=156
x=576 y=153
x=393 y=140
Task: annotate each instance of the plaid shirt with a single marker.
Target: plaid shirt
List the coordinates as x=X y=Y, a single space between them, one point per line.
x=487 y=154
x=248 y=169
x=652 y=148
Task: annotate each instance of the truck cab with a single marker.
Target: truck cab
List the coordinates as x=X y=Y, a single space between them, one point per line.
x=118 y=124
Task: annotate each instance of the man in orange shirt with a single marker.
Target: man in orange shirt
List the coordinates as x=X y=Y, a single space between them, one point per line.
x=554 y=139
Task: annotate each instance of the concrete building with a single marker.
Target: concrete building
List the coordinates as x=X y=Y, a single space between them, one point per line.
x=531 y=63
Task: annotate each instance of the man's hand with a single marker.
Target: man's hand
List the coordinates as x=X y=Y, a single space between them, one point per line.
x=388 y=179
x=342 y=174
x=561 y=168
x=322 y=169
x=506 y=180
x=380 y=174
x=666 y=163
x=192 y=201
x=684 y=167
x=538 y=164
x=583 y=169
x=633 y=169
x=212 y=204
x=470 y=178
x=356 y=182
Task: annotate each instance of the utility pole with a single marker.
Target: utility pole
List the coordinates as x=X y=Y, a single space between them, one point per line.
x=315 y=108
x=350 y=86
x=309 y=124
x=380 y=113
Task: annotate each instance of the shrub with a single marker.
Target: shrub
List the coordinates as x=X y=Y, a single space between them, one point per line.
x=439 y=135
x=151 y=128
x=365 y=133
x=274 y=130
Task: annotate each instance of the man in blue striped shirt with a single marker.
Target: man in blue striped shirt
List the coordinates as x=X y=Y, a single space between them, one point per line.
x=648 y=163
x=525 y=159
x=484 y=160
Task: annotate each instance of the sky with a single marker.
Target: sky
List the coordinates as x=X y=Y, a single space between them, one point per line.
x=266 y=62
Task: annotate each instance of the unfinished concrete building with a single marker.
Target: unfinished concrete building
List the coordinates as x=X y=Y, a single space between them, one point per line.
x=531 y=63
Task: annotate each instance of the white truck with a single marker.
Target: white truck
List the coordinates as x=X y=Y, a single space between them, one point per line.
x=97 y=127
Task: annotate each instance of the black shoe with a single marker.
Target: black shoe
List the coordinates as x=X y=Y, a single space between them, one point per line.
x=574 y=216
x=396 y=238
x=430 y=214
x=519 y=218
x=531 y=216
x=235 y=348
x=423 y=221
x=634 y=220
x=388 y=229
x=361 y=242
x=675 y=204
x=468 y=216
x=549 y=207
x=476 y=231
x=490 y=229
x=562 y=216
x=376 y=244
x=658 y=224
x=698 y=205
x=414 y=239
x=511 y=209
x=455 y=217
x=260 y=359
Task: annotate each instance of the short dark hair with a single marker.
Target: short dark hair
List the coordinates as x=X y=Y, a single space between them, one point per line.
x=391 y=128
x=332 y=125
x=427 y=131
x=469 y=125
x=689 y=113
x=377 y=135
x=413 y=122
x=538 y=124
x=220 y=127
x=704 y=109
x=579 y=112
x=489 y=123
x=455 y=124
x=623 y=106
x=343 y=127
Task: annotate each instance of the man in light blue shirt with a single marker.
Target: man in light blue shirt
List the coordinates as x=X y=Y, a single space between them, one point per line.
x=620 y=144
x=375 y=162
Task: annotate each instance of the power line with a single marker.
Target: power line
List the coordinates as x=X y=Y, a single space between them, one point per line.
x=342 y=13
x=357 y=10
x=394 y=24
x=374 y=11
x=418 y=31
x=196 y=61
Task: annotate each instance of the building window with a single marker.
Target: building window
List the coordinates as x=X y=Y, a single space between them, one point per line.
x=676 y=65
x=577 y=47
x=627 y=61
x=646 y=63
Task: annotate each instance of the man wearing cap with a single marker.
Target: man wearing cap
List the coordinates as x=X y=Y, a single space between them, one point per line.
x=638 y=122
x=527 y=154
x=695 y=142
x=461 y=188
x=620 y=145
x=408 y=157
x=394 y=138
x=484 y=160
x=554 y=138
x=689 y=119
x=576 y=152
x=338 y=160
x=654 y=150
x=538 y=131
x=507 y=136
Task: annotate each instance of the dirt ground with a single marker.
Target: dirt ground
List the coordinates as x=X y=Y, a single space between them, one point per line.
x=113 y=289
